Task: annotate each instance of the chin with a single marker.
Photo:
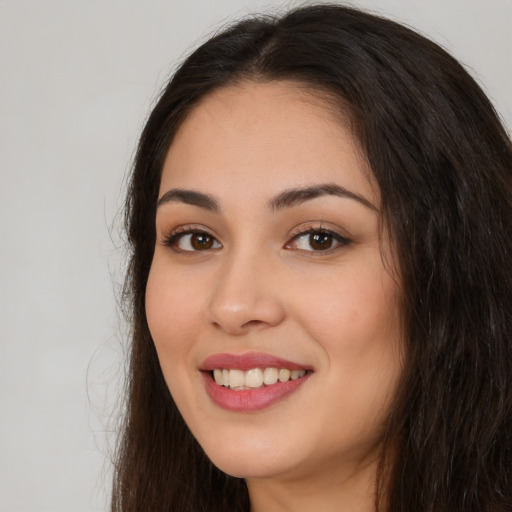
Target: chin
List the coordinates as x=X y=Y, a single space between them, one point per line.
x=258 y=459
x=251 y=468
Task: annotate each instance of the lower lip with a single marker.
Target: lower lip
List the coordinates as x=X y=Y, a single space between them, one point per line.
x=250 y=399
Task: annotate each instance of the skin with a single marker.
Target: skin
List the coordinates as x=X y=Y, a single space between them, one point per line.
x=261 y=286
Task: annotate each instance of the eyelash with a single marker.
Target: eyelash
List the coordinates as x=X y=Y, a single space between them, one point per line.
x=340 y=241
x=182 y=231
x=179 y=233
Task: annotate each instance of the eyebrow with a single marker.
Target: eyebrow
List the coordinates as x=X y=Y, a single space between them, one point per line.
x=295 y=196
x=189 y=197
x=286 y=199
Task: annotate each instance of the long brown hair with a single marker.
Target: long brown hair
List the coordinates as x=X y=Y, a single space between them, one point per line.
x=443 y=163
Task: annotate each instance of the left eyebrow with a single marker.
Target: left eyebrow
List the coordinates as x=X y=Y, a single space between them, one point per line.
x=295 y=196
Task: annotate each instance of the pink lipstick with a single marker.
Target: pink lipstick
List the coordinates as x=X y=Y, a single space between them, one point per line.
x=257 y=395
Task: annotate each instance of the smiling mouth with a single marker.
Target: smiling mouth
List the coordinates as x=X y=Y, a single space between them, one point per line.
x=252 y=381
x=255 y=378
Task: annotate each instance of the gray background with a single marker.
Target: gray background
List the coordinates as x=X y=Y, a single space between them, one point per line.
x=77 y=79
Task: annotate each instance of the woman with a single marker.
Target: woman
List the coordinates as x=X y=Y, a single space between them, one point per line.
x=320 y=214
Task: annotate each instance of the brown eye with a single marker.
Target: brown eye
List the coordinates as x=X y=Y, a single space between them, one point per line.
x=193 y=241
x=320 y=241
x=201 y=241
x=317 y=241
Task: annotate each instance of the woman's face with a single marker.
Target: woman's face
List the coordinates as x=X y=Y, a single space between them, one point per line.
x=268 y=277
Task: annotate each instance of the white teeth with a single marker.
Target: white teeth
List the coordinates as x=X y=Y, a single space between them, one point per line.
x=270 y=376
x=254 y=378
x=217 y=375
x=284 y=375
x=236 y=378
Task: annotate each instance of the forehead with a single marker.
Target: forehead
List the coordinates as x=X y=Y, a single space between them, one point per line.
x=269 y=135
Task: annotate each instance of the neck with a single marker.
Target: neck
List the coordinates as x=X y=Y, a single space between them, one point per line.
x=353 y=491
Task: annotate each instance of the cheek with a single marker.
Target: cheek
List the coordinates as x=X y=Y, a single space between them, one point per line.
x=357 y=324
x=351 y=310
x=172 y=313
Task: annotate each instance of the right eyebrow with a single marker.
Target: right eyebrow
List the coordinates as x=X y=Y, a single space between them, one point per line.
x=189 y=197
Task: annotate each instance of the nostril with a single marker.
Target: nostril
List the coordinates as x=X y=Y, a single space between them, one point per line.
x=253 y=323
x=239 y=317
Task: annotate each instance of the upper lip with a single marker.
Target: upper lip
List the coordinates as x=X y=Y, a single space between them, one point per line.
x=248 y=361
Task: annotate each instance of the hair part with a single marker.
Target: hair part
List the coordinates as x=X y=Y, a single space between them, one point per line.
x=442 y=162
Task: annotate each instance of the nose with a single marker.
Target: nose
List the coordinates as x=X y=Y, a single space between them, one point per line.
x=246 y=296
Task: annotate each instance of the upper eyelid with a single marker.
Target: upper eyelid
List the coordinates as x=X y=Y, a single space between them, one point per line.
x=342 y=240
x=310 y=231
x=188 y=228
x=170 y=237
x=298 y=231
x=173 y=238
x=316 y=227
x=309 y=228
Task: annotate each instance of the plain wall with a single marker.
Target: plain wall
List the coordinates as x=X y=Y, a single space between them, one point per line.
x=77 y=79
